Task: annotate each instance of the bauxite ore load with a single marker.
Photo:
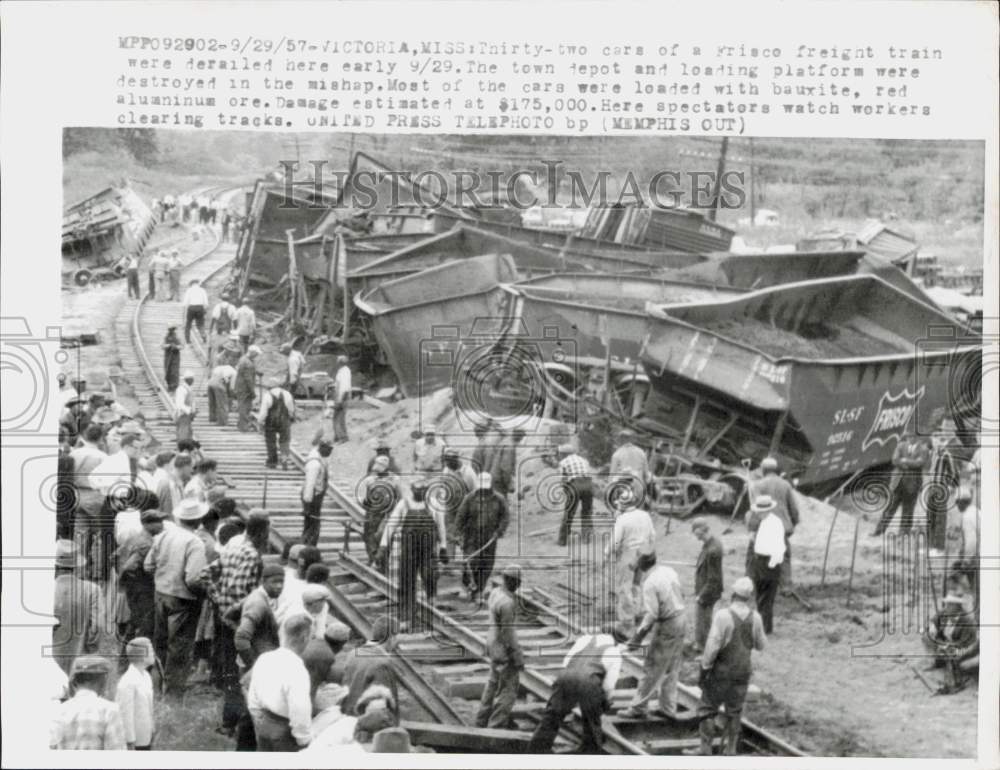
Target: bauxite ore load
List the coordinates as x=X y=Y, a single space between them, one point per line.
x=827 y=374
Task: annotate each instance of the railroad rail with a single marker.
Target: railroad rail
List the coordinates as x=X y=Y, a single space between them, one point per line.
x=454 y=654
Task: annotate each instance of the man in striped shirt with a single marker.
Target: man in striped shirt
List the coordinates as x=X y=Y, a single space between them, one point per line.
x=88 y=721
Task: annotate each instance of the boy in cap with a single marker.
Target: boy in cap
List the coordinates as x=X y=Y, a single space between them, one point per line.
x=320 y=654
x=382 y=449
x=135 y=695
x=725 y=667
x=88 y=721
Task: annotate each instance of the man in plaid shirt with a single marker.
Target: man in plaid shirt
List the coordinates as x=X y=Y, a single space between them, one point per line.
x=229 y=580
x=87 y=721
x=579 y=493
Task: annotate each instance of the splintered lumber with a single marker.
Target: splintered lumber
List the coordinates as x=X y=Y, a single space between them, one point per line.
x=467 y=739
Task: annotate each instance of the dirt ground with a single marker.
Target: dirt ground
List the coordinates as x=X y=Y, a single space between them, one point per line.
x=835 y=680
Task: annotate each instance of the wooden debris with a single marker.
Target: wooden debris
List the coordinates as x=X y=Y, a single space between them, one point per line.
x=468 y=739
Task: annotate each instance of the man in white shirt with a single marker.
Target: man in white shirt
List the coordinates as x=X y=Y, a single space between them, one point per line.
x=341 y=392
x=174 y=267
x=195 y=302
x=588 y=679
x=314 y=490
x=296 y=363
x=278 y=696
x=220 y=393
x=633 y=536
x=185 y=407
x=663 y=601
x=769 y=552
x=246 y=324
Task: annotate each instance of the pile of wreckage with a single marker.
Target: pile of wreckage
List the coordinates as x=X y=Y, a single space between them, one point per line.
x=100 y=232
x=821 y=357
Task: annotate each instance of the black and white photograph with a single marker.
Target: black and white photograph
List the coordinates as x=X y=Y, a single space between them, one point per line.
x=520 y=445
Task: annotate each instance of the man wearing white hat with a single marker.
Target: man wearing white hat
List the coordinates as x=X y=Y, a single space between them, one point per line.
x=184 y=406
x=769 y=552
x=779 y=489
x=725 y=667
x=176 y=560
x=481 y=521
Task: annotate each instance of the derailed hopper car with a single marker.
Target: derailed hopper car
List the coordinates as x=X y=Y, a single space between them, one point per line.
x=584 y=323
x=826 y=374
x=422 y=321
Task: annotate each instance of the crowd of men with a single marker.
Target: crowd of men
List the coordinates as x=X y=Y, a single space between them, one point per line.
x=202 y=210
x=162 y=584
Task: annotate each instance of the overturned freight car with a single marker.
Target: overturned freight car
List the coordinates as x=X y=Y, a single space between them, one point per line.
x=421 y=321
x=102 y=230
x=826 y=374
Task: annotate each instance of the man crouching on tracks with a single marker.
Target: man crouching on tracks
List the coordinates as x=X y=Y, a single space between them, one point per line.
x=725 y=668
x=419 y=526
x=590 y=673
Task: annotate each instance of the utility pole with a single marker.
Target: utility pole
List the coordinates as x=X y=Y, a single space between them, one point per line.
x=720 y=170
x=753 y=191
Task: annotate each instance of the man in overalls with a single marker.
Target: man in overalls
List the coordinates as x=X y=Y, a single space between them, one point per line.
x=590 y=673
x=726 y=669
x=419 y=528
x=277 y=411
x=378 y=495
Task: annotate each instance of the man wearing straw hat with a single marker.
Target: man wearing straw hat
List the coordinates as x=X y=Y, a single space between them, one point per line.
x=768 y=554
x=176 y=560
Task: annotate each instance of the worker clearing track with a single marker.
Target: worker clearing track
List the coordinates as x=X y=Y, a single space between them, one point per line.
x=806 y=681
